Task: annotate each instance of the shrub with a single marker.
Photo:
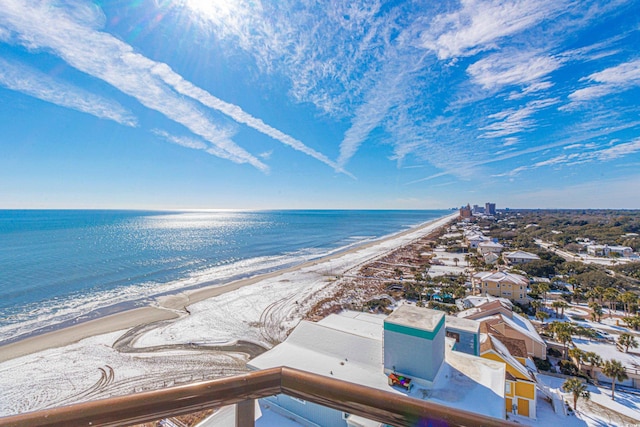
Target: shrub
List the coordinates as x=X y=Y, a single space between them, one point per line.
x=542 y=365
x=553 y=352
x=568 y=368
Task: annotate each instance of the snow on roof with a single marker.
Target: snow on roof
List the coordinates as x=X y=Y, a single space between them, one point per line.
x=478 y=300
x=469 y=383
x=521 y=255
x=502 y=350
x=326 y=351
x=490 y=307
x=490 y=244
x=337 y=348
x=462 y=324
x=363 y=324
x=415 y=317
x=469 y=312
x=504 y=277
x=523 y=324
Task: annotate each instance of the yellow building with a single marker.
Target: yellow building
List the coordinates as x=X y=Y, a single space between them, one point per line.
x=520 y=385
x=502 y=284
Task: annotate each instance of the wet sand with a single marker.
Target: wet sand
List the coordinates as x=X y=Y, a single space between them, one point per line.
x=170 y=306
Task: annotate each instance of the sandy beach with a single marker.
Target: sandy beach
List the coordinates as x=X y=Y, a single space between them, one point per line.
x=259 y=309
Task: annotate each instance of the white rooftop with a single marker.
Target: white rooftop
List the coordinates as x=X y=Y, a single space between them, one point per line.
x=462 y=324
x=338 y=347
x=521 y=255
x=415 y=317
x=490 y=244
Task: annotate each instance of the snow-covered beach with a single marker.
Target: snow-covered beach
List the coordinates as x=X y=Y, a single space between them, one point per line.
x=195 y=335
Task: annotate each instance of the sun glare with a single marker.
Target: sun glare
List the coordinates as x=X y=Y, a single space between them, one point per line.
x=213 y=9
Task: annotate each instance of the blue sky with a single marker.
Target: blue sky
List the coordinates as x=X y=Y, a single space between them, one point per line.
x=330 y=104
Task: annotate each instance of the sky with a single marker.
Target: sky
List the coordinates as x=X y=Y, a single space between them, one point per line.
x=214 y=104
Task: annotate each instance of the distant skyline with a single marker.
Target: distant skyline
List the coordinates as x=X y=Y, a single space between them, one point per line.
x=215 y=104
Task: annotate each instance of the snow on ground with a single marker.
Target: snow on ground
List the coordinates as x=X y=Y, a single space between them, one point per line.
x=91 y=369
x=607 y=351
x=599 y=411
x=449 y=265
x=262 y=313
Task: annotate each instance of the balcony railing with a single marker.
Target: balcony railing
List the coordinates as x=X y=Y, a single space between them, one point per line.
x=242 y=390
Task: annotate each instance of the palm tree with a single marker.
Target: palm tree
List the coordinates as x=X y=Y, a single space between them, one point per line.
x=564 y=336
x=456 y=260
x=614 y=370
x=627 y=340
x=628 y=299
x=598 y=292
x=559 y=305
x=536 y=304
x=544 y=288
x=611 y=296
x=577 y=388
x=541 y=316
x=596 y=311
x=585 y=332
x=633 y=322
x=578 y=355
x=562 y=306
x=593 y=359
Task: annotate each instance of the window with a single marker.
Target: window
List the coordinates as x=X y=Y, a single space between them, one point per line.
x=454 y=335
x=507 y=387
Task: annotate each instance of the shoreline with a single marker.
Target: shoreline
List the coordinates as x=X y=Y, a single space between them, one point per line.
x=168 y=305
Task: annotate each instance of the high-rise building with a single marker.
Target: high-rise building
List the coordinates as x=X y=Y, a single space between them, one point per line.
x=490 y=208
x=465 y=212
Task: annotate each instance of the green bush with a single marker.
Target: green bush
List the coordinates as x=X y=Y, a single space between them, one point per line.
x=542 y=365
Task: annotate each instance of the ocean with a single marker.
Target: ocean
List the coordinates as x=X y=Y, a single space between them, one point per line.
x=58 y=267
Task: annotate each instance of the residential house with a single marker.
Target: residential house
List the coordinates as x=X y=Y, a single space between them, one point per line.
x=520 y=384
x=501 y=284
x=487 y=247
x=465 y=332
x=606 y=250
x=506 y=323
x=471 y=301
x=472 y=240
x=375 y=351
x=607 y=350
x=519 y=257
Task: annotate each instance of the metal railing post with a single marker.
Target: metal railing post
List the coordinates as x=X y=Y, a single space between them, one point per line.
x=246 y=413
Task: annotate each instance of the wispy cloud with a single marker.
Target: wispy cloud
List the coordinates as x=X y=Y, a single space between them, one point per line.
x=25 y=79
x=513 y=68
x=615 y=151
x=195 y=144
x=236 y=113
x=581 y=137
x=611 y=80
x=371 y=114
x=73 y=36
x=513 y=121
x=479 y=24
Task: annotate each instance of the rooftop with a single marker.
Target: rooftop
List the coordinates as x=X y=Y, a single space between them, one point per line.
x=416 y=318
x=337 y=347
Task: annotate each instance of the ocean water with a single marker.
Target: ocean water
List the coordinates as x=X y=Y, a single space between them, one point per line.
x=61 y=266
